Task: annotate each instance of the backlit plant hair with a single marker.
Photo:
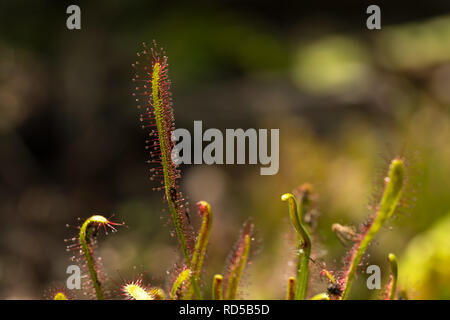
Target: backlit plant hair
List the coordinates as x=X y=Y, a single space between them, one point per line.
x=154 y=99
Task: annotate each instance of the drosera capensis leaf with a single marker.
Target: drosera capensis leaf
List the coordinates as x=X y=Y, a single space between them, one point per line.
x=391 y=288
x=198 y=255
x=304 y=244
x=394 y=183
x=179 y=284
x=85 y=239
x=238 y=261
x=154 y=98
x=201 y=244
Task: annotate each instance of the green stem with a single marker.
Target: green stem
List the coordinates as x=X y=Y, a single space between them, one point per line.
x=304 y=245
x=196 y=288
x=389 y=202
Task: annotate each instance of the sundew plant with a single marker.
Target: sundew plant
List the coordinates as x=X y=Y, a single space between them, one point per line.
x=154 y=100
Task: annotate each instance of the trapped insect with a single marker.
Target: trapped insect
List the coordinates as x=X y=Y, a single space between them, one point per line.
x=334 y=289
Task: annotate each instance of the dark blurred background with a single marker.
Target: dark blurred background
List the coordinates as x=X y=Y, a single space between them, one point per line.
x=346 y=99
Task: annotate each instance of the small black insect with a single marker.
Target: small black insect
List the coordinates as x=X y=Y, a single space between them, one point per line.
x=173 y=194
x=186 y=212
x=174 y=198
x=334 y=289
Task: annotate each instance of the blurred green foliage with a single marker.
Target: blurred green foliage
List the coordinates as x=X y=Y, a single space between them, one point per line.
x=425 y=269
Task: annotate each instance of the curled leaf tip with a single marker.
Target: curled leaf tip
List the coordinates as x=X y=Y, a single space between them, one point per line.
x=304 y=244
x=392 y=258
x=99 y=219
x=203 y=207
x=85 y=238
x=392 y=285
